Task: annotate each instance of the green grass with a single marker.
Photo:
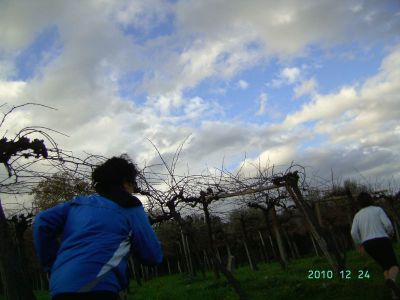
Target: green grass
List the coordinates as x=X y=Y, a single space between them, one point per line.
x=269 y=282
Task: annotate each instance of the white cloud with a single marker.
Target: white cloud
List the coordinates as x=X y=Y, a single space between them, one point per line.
x=287 y=76
x=372 y=109
x=195 y=108
x=324 y=107
x=263 y=98
x=287 y=27
x=80 y=81
x=281 y=155
x=357 y=130
x=22 y=20
x=205 y=58
x=10 y=91
x=143 y=14
x=166 y=103
x=7 y=68
x=175 y=108
x=305 y=87
x=283 y=29
x=215 y=140
x=243 y=84
x=220 y=48
x=290 y=75
x=360 y=124
x=236 y=35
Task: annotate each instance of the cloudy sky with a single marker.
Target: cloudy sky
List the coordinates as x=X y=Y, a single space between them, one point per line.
x=316 y=82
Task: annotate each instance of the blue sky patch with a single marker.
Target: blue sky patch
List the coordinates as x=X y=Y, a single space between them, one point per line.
x=44 y=49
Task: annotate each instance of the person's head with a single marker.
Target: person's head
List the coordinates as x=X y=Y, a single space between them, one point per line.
x=115 y=173
x=365 y=199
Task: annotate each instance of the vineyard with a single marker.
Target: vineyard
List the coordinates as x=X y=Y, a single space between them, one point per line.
x=247 y=233
x=269 y=281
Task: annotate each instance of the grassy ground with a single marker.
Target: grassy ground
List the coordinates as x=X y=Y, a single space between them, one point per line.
x=270 y=282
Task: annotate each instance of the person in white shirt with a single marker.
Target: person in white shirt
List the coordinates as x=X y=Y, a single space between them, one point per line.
x=371 y=230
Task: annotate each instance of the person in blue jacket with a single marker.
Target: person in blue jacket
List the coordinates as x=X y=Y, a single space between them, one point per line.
x=84 y=244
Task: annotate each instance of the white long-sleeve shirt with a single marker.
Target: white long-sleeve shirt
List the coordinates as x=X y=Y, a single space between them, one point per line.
x=369 y=223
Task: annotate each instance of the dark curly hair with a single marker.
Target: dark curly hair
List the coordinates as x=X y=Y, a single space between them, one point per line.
x=365 y=199
x=113 y=173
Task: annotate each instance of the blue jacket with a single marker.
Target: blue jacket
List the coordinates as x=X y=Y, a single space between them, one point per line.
x=96 y=237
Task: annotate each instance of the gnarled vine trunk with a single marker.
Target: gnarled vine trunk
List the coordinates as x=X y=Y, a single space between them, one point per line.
x=15 y=282
x=325 y=242
x=217 y=263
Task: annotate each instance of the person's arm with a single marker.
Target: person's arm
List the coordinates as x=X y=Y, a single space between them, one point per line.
x=47 y=226
x=355 y=232
x=145 y=244
x=386 y=222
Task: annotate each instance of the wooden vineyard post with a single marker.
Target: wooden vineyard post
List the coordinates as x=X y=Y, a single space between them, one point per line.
x=396 y=229
x=289 y=243
x=230 y=262
x=193 y=270
x=314 y=245
x=253 y=265
x=264 y=248
x=217 y=264
x=278 y=237
x=318 y=213
x=168 y=267
x=333 y=256
x=186 y=252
